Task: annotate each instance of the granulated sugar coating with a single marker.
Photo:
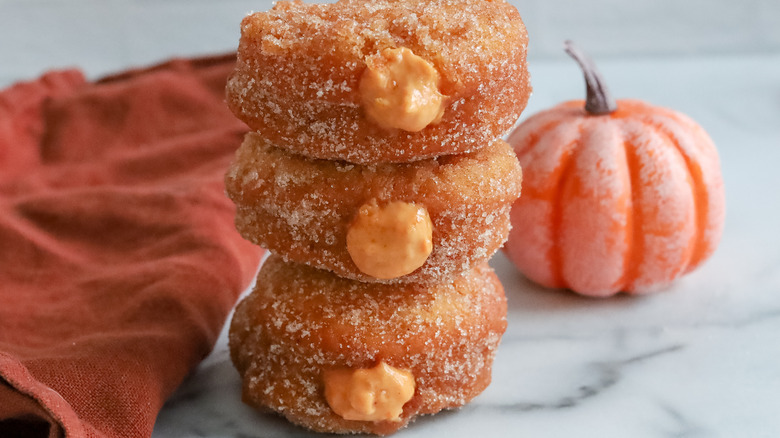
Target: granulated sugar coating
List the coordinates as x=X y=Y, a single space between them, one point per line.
x=301 y=208
x=329 y=135
x=299 y=322
x=299 y=67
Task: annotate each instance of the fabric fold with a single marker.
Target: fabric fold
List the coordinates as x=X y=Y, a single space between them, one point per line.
x=119 y=260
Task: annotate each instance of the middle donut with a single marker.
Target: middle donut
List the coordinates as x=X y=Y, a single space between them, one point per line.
x=417 y=222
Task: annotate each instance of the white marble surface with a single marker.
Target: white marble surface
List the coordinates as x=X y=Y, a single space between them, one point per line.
x=701 y=359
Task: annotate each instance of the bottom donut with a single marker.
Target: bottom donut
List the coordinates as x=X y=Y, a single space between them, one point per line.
x=335 y=355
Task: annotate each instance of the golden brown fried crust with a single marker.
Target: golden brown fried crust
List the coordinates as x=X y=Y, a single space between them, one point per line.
x=301 y=208
x=299 y=66
x=300 y=321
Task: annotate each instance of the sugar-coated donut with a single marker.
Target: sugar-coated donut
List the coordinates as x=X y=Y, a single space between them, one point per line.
x=302 y=209
x=300 y=66
x=300 y=324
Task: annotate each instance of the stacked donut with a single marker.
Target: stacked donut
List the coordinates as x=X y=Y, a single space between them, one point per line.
x=375 y=175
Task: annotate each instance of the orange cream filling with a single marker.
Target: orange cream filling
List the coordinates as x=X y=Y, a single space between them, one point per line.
x=369 y=394
x=401 y=90
x=391 y=240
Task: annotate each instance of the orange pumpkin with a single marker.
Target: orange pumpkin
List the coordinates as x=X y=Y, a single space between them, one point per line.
x=616 y=197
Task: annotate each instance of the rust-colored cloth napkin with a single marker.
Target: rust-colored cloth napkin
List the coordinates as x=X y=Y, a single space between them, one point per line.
x=119 y=261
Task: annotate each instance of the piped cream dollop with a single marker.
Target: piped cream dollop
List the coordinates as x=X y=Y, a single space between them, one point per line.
x=390 y=240
x=401 y=90
x=369 y=394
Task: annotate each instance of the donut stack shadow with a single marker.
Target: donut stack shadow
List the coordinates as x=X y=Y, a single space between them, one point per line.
x=375 y=176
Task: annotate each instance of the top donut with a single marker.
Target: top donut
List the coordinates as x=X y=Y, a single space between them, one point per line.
x=381 y=81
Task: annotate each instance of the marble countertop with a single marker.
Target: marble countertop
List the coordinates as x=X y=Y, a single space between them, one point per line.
x=701 y=359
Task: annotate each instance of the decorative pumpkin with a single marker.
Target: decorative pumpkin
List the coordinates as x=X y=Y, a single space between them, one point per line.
x=617 y=196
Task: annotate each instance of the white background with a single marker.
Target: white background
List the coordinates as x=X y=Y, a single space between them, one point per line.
x=102 y=36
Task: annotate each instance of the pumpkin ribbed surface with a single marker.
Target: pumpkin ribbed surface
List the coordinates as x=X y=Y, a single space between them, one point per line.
x=627 y=201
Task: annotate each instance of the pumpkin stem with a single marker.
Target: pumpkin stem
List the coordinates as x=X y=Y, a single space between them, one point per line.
x=599 y=101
